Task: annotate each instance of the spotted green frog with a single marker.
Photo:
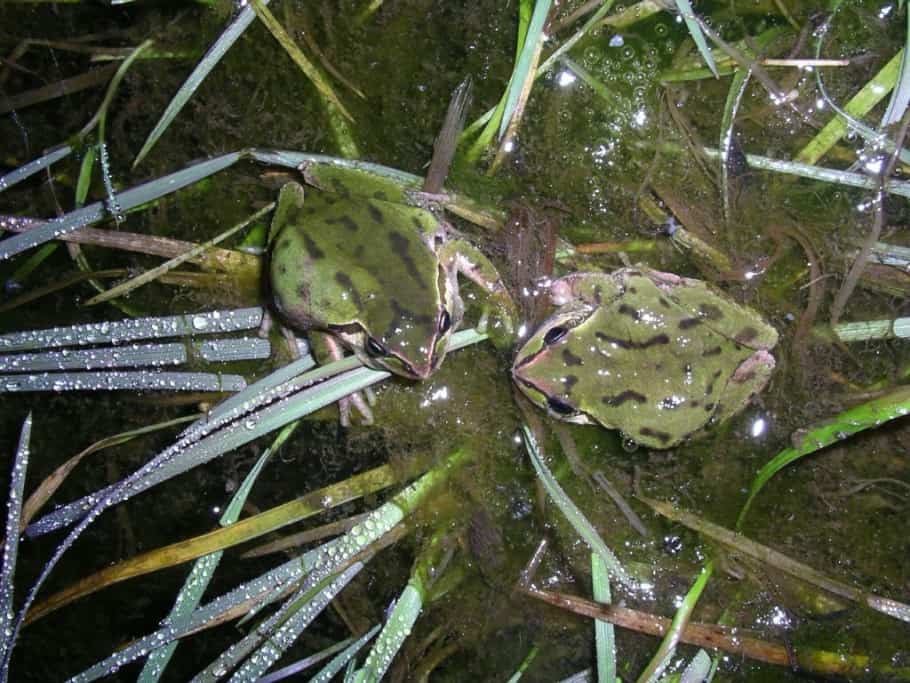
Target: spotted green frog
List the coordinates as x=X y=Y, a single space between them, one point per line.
x=378 y=276
x=655 y=355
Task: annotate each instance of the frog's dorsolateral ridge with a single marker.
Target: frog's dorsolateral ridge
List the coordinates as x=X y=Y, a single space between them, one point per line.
x=655 y=355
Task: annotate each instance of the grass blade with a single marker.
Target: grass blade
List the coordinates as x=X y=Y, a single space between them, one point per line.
x=128 y=199
x=11 y=539
x=900 y=96
x=32 y=167
x=604 y=638
x=525 y=66
x=688 y=15
x=228 y=37
x=327 y=673
x=121 y=380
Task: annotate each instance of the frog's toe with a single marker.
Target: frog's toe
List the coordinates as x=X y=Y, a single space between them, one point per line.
x=361 y=405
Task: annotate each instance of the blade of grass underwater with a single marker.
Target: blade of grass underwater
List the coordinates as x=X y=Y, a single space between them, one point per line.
x=688 y=15
x=868 y=330
x=671 y=639
x=604 y=637
x=327 y=673
x=153 y=273
x=131 y=330
x=576 y=517
x=525 y=665
x=11 y=539
x=52 y=91
x=738 y=85
x=128 y=199
x=900 y=96
x=34 y=166
x=228 y=37
x=859 y=418
x=196 y=583
x=306 y=66
x=268 y=641
x=828 y=175
x=779 y=561
x=52 y=482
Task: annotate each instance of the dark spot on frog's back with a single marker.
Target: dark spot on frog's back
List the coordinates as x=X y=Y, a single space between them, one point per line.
x=400 y=246
x=312 y=248
x=689 y=323
x=629 y=344
x=569 y=381
x=663 y=437
x=375 y=213
x=715 y=351
x=627 y=395
x=345 y=221
x=343 y=280
x=710 y=311
x=381 y=196
x=632 y=312
x=746 y=335
x=570 y=358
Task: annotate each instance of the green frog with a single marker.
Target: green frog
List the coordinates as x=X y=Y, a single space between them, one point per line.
x=377 y=276
x=655 y=355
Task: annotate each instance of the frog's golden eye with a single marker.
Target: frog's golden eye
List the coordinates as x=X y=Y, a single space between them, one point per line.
x=445 y=322
x=554 y=334
x=560 y=407
x=376 y=348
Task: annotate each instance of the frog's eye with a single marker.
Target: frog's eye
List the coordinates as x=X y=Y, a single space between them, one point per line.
x=560 y=407
x=376 y=348
x=554 y=334
x=445 y=322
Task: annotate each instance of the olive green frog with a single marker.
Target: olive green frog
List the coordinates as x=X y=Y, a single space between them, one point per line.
x=655 y=355
x=378 y=276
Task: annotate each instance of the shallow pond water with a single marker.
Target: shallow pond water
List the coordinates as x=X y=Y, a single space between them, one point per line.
x=608 y=169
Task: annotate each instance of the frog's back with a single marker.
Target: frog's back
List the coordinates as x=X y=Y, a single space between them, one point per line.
x=337 y=261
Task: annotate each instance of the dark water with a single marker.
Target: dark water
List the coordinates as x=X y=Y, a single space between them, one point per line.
x=591 y=161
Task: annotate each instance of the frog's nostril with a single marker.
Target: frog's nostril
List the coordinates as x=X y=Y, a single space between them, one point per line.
x=554 y=334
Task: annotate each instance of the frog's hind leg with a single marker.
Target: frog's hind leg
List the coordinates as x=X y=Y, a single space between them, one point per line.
x=325 y=347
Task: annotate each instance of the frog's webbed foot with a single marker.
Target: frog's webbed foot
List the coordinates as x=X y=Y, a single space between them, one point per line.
x=326 y=347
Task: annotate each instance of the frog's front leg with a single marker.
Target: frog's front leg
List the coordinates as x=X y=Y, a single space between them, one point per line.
x=325 y=348
x=499 y=318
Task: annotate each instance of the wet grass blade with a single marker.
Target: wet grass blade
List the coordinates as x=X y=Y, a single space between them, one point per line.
x=67 y=86
x=52 y=482
x=106 y=358
x=11 y=538
x=128 y=199
x=604 y=637
x=122 y=380
x=154 y=273
x=395 y=631
x=525 y=665
x=262 y=646
x=688 y=15
x=228 y=37
x=576 y=517
x=866 y=416
x=698 y=669
x=738 y=85
x=125 y=331
x=328 y=672
x=196 y=583
x=33 y=167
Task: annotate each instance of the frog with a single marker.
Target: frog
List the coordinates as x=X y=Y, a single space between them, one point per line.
x=658 y=356
x=378 y=276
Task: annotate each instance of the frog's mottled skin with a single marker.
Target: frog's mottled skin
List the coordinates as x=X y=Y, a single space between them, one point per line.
x=653 y=354
x=377 y=275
